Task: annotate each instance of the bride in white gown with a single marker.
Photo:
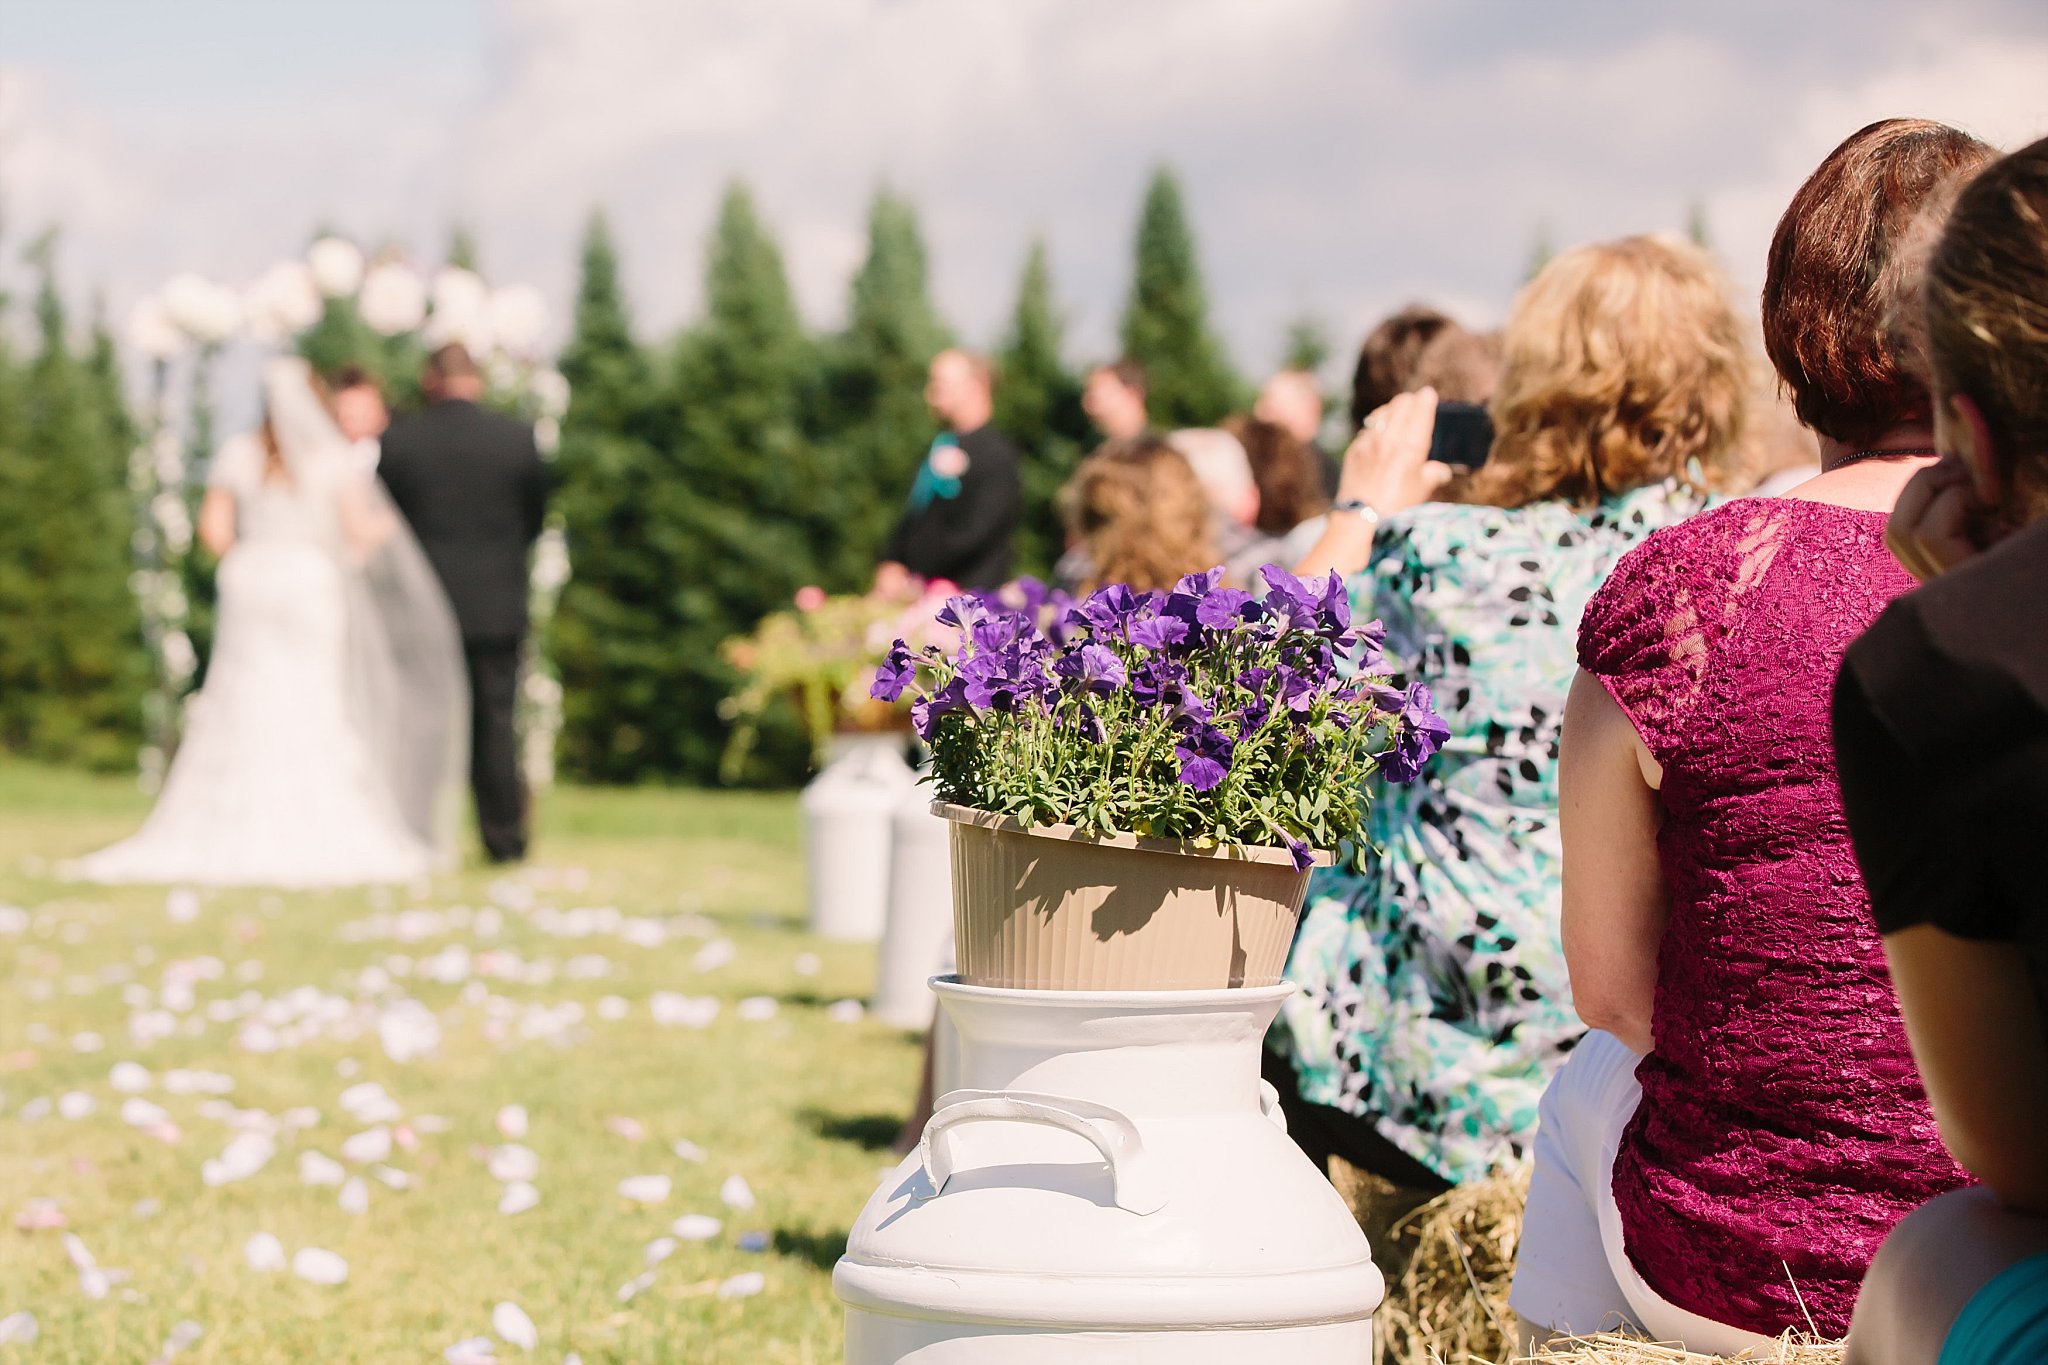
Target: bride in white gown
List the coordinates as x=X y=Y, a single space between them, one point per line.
x=324 y=747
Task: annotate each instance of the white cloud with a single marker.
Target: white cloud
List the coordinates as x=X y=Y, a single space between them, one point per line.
x=1338 y=158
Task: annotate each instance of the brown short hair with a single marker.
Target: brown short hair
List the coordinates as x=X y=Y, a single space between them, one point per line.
x=1286 y=469
x=1126 y=371
x=1623 y=366
x=1386 y=358
x=453 y=361
x=1141 y=513
x=1986 y=300
x=1462 y=366
x=1836 y=275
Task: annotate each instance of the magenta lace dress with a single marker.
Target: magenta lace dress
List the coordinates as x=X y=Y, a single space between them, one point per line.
x=1783 y=1129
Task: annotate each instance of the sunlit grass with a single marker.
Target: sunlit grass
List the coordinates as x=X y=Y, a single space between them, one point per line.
x=798 y=1104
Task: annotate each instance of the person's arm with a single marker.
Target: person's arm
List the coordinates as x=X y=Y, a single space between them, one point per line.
x=1615 y=900
x=367 y=521
x=1977 y=1034
x=1388 y=469
x=217 y=521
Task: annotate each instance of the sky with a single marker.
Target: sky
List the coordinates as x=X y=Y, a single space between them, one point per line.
x=1340 y=157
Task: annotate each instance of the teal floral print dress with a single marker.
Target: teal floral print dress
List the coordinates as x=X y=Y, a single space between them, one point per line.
x=1434 y=998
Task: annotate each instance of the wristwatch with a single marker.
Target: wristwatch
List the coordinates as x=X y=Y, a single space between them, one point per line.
x=1358 y=507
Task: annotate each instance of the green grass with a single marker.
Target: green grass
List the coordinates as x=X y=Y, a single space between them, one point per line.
x=798 y=1104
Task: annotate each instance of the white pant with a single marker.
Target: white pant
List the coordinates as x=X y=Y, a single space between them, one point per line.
x=1572 y=1273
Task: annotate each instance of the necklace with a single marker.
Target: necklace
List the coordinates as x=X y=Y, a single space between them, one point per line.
x=1886 y=453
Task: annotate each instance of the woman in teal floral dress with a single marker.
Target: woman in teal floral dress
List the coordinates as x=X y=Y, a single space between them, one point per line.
x=1434 y=1003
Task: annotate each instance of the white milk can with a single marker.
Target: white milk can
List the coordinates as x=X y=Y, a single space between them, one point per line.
x=1111 y=1184
x=920 y=913
x=846 y=809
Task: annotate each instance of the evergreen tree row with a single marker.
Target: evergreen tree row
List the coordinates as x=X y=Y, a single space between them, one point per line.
x=704 y=481
x=73 y=670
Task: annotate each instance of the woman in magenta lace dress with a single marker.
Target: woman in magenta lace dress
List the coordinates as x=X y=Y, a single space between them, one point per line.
x=1723 y=1154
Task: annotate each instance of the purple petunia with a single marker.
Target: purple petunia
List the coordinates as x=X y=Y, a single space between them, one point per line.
x=1095 y=668
x=897 y=673
x=1159 y=632
x=1422 y=733
x=1223 y=608
x=1204 y=753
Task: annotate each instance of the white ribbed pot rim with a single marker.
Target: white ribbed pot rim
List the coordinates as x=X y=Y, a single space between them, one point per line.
x=1186 y=848
x=1040 y=997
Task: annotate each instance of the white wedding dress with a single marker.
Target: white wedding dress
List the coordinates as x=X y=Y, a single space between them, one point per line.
x=321 y=750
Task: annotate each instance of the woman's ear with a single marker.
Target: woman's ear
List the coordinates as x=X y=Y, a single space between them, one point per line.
x=1960 y=430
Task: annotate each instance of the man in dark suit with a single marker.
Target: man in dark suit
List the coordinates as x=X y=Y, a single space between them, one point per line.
x=961 y=517
x=474 y=487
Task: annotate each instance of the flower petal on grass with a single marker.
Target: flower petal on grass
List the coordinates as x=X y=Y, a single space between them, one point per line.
x=355 y=1196
x=645 y=1189
x=264 y=1253
x=696 y=1227
x=509 y=1321
x=519 y=1196
x=19 y=1329
x=743 y=1286
x=317 y=1265
x=317 y=1168
x=512 y=1122
x=736 y=1193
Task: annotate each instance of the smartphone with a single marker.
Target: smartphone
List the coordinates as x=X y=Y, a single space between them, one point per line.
x=1463 y=435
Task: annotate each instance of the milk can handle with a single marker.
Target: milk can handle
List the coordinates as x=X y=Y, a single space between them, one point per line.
x=1132 y=1173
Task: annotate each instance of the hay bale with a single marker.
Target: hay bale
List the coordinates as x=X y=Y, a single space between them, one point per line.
x=1448 y=1264
x=1616 y=1349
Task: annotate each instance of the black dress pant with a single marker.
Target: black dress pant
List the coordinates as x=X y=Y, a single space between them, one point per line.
x=494 y=776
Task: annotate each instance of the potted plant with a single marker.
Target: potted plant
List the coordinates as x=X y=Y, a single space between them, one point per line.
x=821 y=653
x=1140 y=783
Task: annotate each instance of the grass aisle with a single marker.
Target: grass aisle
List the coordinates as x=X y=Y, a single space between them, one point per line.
x=576 y=987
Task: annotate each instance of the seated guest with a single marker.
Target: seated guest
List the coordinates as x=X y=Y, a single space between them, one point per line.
x=1288 y=474
x=1434 y=1004
x=1225 y=474
x=1716 y=930
x=1114 y=399
x=1462 y=366
x=1135 y=514
x=962 y=515
x=1941 y=731
x=1292 y=400
x=1387 y=356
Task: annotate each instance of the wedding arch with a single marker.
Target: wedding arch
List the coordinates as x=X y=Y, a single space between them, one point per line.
x=336 y=305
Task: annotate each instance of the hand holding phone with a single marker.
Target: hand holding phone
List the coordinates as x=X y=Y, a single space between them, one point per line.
x=1388 y=465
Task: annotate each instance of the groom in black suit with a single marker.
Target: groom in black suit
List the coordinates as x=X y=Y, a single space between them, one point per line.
x=475 y=489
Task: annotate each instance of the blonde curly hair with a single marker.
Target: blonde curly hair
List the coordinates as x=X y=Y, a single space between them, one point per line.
x=1141 y=515
x=1623 y=365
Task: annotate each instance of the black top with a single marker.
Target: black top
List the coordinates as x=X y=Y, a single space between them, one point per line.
x=475 y=488
x=962 y=514
x=1941 y=741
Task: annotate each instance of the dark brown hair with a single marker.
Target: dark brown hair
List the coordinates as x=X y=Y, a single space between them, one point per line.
x=1386 y=358
x=352 y=377
x=1286 y=469
x=1837 y=274
x=1986 y=298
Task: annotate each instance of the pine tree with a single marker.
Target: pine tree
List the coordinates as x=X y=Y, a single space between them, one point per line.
x=606 y=638
x=762 y=506
x=880 y=428
x=1166 y=321
x=1541 y=249
x=1308 y=345
x=1696 y=227
x=197 y=569
x=462 y=248
x=1038 y=401
x=72 y=668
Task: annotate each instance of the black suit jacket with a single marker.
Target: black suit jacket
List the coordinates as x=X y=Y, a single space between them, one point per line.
x=965 y=537
x=475 y=488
